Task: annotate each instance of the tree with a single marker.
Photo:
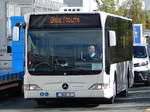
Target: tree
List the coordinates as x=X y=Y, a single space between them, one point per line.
x=136 y=12
x=147 y=21
x=107 y=6
x=130 y=8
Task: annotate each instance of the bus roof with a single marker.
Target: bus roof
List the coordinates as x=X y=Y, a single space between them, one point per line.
x=94 y=12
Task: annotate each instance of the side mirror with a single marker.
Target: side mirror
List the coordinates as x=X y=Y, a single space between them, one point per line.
x=16 y=33
x=112 y=38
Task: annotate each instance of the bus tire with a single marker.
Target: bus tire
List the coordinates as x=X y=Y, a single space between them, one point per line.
x=17 y=91
x=124 y=93
x=128 y=78
x=111 y=100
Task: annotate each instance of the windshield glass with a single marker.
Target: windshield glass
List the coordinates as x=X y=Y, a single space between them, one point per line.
x=139 y=52
x=66 y=52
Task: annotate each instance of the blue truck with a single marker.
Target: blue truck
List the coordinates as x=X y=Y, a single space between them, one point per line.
x=13 y=78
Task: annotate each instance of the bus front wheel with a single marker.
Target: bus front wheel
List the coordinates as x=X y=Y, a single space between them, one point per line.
x=110 y=100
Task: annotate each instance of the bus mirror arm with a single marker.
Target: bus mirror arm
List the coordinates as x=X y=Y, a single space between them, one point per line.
x=21 y=25
x=16 y=30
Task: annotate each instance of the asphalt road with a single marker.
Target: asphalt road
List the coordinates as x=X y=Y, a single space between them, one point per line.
x=138 y=100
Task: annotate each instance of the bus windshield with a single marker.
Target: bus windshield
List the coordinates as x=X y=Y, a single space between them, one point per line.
x=64 y=52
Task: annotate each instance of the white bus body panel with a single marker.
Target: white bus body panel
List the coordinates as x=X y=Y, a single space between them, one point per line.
x=118 y=75
x=77 y=84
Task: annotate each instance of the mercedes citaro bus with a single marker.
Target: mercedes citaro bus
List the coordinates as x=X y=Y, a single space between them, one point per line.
x=56 y=44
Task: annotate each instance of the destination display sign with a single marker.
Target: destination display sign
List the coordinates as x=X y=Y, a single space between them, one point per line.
x=64 y=21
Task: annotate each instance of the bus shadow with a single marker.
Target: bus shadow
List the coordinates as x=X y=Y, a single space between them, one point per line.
x=10 y=103
x=69 y=104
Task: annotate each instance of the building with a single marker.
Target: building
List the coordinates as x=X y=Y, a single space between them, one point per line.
x=10 y=8
x=127 y=3
x=147 y=6
x=73 y=3
x=7 y=9
x=88 y=5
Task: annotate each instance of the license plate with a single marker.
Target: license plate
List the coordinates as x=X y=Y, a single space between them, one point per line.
x=65 y=94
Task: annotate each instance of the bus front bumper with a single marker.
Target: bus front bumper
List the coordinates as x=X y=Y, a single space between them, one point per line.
x=64 y=94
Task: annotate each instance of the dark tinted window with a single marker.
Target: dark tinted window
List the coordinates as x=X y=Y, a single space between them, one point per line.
x=140 y=52
x=123 y=50
x=59 y=52
x=123 y=28
x=64 y=21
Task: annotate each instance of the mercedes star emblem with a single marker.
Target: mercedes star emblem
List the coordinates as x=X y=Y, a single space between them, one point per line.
x=65 y=86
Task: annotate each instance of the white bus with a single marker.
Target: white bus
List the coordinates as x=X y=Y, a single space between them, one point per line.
x=56 y=47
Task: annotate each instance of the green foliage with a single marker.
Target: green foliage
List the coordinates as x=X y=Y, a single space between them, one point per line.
x=147 y=21
x=131 y=9
x=108 y=6
x=120 y=11
x=136 y=12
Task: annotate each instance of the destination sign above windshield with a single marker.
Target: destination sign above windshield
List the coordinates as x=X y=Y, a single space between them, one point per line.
x=64 y=21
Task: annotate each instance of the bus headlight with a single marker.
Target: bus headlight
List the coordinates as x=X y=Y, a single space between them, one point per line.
x=32 y=87
x=97 y=86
